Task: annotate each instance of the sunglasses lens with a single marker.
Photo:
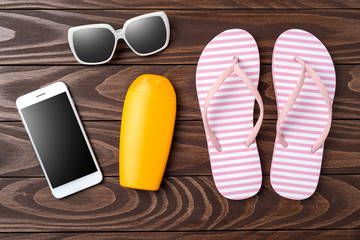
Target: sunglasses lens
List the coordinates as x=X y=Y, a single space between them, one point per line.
x=94 y=44
x=146 y=35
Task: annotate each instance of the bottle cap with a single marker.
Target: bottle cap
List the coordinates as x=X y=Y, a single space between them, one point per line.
x=153 y=84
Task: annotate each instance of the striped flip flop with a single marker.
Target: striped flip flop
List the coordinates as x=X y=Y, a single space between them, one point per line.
x=227 y=76
x=304 y=82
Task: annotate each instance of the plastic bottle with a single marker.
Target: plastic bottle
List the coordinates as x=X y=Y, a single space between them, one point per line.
x=146 y=132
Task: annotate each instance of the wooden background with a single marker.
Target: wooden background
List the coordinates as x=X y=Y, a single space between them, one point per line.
x=34 y=52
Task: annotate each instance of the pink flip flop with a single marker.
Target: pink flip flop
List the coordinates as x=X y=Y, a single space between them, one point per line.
x=227 y=76
x=304 y=82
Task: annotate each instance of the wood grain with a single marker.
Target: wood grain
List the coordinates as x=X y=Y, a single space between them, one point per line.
x=34 y=52
x=40 y=36
x=99 y=92
x=195 y=235
x=181 y=204
x=188 y=154
x=178 y=4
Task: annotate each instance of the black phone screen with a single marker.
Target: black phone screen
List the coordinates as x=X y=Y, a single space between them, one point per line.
x=58 y=140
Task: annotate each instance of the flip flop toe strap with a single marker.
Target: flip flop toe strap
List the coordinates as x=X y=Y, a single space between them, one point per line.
x=233 y=68
x=292 y=99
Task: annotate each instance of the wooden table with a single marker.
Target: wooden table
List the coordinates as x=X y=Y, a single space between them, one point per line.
x=34 y=52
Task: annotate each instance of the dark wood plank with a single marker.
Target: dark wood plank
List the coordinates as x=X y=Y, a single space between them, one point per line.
x=178 y=4
x=99 y=92
x=188 y=154
x=181 y=204
x=209 y=235
x=40 y=37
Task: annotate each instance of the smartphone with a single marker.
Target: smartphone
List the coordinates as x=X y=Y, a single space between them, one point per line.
x=59 y=139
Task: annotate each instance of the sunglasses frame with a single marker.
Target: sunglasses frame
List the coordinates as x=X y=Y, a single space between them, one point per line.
x=119 y=34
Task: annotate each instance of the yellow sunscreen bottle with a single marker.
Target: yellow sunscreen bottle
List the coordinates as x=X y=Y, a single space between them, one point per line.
x=146 y=132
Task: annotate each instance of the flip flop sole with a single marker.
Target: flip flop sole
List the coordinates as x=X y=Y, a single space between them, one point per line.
x=295 y=170
x=236 y=169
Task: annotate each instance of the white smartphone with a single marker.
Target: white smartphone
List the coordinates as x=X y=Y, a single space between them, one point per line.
x=59 y=139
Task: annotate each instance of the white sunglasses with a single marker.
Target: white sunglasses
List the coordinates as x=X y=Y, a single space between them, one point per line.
x=96 y=43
